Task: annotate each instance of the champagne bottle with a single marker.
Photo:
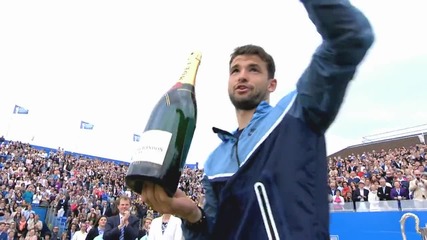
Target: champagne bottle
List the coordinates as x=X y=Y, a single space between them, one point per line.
x=163 y=146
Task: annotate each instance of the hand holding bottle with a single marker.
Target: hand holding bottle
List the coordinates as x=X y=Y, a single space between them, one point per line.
x=180 y=205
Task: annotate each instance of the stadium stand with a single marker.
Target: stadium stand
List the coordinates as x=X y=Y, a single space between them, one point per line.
x=65 y=190
x=54 y=192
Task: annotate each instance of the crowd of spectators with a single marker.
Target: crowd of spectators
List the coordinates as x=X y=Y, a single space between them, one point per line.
x=81 y=189
x=393 y=174
x=71 y=186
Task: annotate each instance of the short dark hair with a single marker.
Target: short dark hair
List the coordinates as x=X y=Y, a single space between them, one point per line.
x=258 y=51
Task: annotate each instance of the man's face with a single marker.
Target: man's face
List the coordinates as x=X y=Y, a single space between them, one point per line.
x=248 y=83
x=124 y=206
x=396 y=184
x=147 y=224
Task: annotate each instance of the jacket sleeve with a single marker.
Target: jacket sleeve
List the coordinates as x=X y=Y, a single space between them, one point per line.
x=210 y=208
x=346 y=37
x=111 y=232
x=92 y=233
x=132 y=229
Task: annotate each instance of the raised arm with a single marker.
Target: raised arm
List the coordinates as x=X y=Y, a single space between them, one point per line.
x=347 y=36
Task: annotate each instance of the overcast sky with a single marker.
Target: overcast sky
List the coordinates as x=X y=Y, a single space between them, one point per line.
x=109 y=62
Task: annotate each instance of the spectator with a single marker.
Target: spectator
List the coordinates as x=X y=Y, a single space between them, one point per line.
x=165 y=227
x=338 y=200
x=418 y=187
x=22 y=227
x=384 y=191
x=55 y=233
x=81 y=234
x=28 y=194
x=60 y=179
x=124 y=224
x=98 y=230
x=31 y=235
x=3 y=233
x=146 y=227
x=361 y=193
x=399 y=193
x=373 y=198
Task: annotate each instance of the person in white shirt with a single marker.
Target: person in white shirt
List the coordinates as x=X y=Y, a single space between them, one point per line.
x=80 y=235
x=166 y=227
x=373 y=199
x=37 y=197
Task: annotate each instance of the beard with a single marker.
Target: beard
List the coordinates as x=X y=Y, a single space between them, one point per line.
x=249 y=102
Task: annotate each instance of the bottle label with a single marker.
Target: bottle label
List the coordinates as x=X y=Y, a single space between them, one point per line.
x=153 y=146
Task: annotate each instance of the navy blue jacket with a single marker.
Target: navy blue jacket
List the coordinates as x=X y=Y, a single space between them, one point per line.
x=270 y=182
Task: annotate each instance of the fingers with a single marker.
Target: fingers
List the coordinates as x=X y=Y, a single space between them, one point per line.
x=156 y=197
x=147 y=193
x=179 y=193
x=160 y=194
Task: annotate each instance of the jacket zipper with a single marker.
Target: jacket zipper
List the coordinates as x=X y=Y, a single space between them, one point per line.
x=265 y=208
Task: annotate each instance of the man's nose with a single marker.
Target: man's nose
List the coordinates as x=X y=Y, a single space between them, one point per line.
x=243 y=76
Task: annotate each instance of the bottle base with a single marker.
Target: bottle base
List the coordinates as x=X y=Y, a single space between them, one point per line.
x=140 y=172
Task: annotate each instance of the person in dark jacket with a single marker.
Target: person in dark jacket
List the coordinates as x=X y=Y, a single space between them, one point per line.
x=268 y=178
x=97 y=229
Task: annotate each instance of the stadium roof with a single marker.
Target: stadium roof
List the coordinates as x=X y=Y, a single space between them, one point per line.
x=386 y=144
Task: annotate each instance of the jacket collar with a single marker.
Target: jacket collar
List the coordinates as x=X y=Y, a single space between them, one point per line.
x=225 y=136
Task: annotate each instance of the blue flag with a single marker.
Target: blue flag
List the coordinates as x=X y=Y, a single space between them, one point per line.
x=136 y=137
x=19 y=110
x=86 y=125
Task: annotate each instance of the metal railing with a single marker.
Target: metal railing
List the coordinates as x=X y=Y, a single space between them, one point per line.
x=382 y=206
x=52 y=220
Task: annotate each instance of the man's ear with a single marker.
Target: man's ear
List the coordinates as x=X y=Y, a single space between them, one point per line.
x=272 y=85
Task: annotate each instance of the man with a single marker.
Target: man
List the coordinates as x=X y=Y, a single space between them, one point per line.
x=3 y=232
x=418 y=187
x=398 y=192
x=361 y=193
x=122 y=226
x=28 y=211
x=384 y=190
x=106 y=209
x=268 y=179
x=55 y=233
x=332 y=188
